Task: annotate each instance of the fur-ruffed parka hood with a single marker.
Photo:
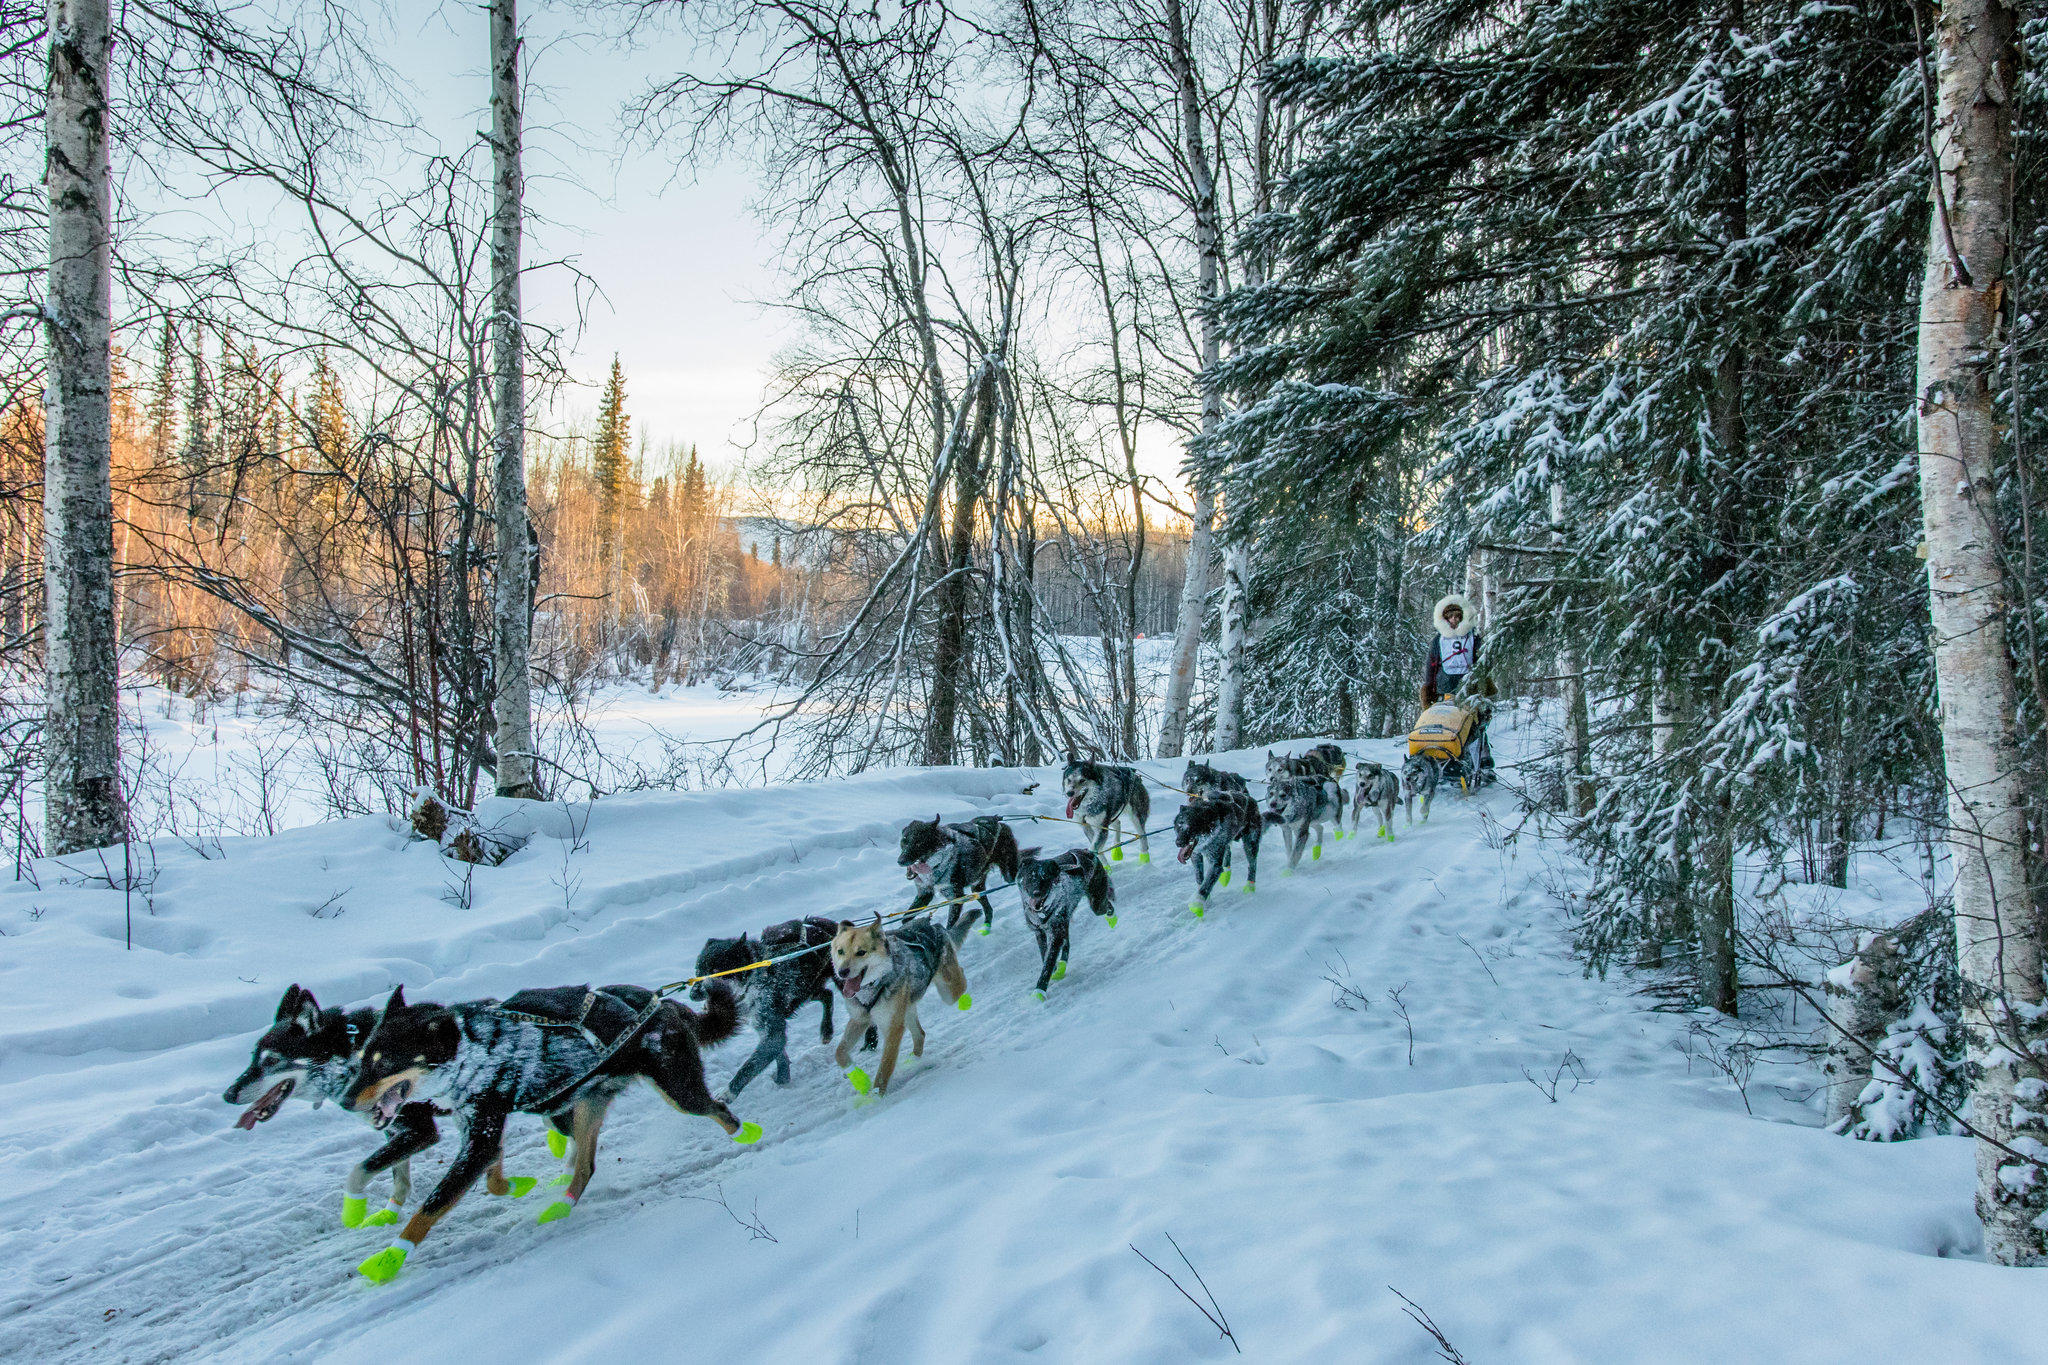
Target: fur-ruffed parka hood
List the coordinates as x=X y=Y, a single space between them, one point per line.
x=1465 y=626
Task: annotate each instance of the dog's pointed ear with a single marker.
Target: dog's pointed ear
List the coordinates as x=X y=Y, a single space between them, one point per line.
x=935 y=819
x=396 y=1002
x=288 y=1007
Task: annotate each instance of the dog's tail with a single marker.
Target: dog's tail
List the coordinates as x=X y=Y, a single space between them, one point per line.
x=1007 y=852
x=718 y=1020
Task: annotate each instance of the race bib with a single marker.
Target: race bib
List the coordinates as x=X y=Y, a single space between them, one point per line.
x=1460 y=653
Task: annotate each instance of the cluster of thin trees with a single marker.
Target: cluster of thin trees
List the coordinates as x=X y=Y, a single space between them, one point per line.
x=1693 y=340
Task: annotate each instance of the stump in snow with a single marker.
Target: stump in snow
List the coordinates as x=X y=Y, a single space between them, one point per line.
x=457 y=831
x=1865 y=994
x=429 y=816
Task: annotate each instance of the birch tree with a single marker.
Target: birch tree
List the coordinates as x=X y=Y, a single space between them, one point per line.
x=1998 y=923
x=82 y=800
x=512 y=623
x=1194 y=597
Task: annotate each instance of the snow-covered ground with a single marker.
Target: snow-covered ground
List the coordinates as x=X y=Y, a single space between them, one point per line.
x=1201 y=1080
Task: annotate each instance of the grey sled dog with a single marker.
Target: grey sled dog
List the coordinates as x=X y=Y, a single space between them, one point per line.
x=1299 y=806
x=1103 y=797
x=1203 y=831
x=773 y=994
x=1377 y=791
x=1051 y=889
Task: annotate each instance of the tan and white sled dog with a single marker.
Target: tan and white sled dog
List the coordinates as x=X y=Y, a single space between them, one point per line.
x=883 y=973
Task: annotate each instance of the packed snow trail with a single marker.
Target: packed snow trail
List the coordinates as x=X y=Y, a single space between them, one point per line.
x=1190 y=1078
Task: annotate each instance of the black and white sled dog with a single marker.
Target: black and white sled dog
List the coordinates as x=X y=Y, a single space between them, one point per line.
x=1377 y=791
x=886 y=972
x=1419 y=777
x=1301 y=806
x=484 y=1060
x=1051 y=889
x=958 y=858
x=773 y=994
x=1104 y=797
x=313 y=1053
x=1203 y=831
x=1200 y=780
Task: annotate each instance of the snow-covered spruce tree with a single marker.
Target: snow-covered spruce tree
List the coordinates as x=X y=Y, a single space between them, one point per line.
x=1628 y=251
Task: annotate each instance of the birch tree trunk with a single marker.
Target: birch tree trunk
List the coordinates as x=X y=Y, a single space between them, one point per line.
x=81 y=787
x=1578 y=742
x=512 y=620
x=1998 y=927
x=1232 y=634
x=1194 y=593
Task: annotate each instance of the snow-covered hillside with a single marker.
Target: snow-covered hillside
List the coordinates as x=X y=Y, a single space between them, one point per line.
x=1527 y=1154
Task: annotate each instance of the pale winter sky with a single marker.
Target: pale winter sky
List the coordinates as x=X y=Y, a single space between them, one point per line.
x=681 y=260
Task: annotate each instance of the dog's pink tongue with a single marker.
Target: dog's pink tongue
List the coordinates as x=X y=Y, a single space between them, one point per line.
x=266 y=1107
x=1185 y=852
x=1072 y=802
x=920 y=869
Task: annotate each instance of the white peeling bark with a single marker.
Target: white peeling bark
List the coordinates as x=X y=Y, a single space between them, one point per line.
x=81 y=755
x=512 y=622
x=1998 y=927
x=1194 y=593
x=1231 y=641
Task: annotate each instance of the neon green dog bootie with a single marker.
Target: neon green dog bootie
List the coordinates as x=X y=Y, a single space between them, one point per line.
x=561 y=1181
x=558 y=1144
x=383 y=1267
x=1200 y=909
x=519 y=1186
x=384 y=1217
x=985 y=928
x=748 y=1135
x=1224 y=880
x=1250 y=887
x=1038 y=995
x=1116 y=855
x=861 y=1082
x=556 y=1211
x=1059 y=973
x=1315 y=855
x=1110 y=920
x=1340 y=836
x=354 y=1207
x=966 y=1001
x=1144 y=857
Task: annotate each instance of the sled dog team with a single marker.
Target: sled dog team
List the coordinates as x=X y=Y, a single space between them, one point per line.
x=551 y=1053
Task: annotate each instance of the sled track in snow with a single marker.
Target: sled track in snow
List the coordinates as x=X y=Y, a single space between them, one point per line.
x=254 y=1238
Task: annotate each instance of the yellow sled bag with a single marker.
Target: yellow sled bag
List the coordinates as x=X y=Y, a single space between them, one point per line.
x=1442 y=732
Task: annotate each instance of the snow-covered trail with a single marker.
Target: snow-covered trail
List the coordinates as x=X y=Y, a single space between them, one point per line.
x=1186 y=1078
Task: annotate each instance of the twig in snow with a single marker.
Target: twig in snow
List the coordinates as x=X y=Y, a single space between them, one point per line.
x=1401 y=1008
x=756 y=1229
x=1572 y=1065
x=1444 y=1349
x=1214 y=1311
x=1482 y=961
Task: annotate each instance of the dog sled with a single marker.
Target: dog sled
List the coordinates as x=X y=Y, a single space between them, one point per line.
x=1452 y=737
